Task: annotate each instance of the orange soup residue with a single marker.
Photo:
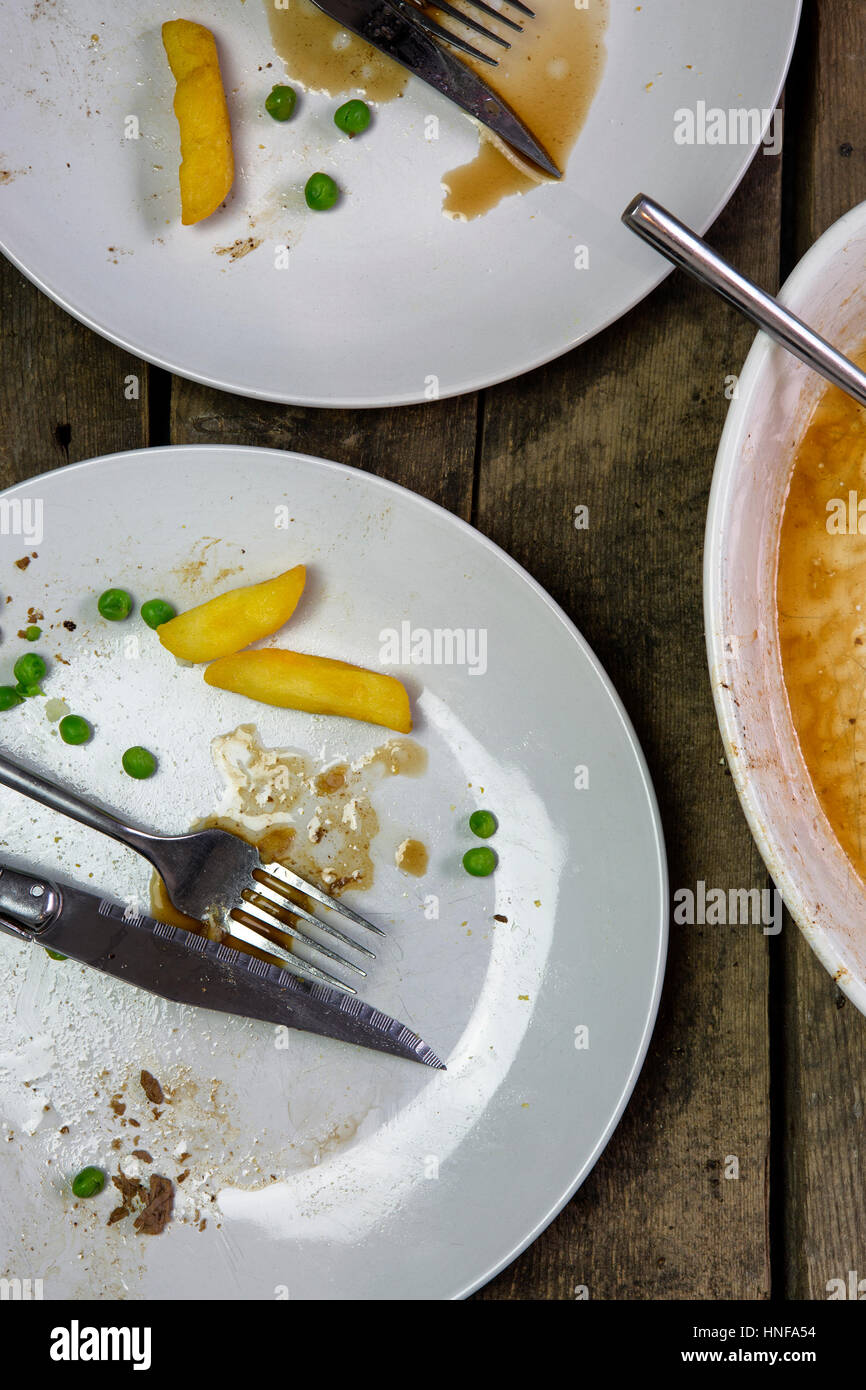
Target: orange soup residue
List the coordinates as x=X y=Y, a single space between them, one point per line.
x=821 y=602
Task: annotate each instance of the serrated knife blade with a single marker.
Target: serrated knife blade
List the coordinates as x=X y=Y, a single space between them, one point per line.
x=389 y=26
x=189 y=969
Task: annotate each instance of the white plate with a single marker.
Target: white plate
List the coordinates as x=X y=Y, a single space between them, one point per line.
x=384 y=301
x=776 y=397
x=394 y=1181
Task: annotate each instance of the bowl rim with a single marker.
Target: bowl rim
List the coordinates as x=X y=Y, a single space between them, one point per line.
x=758 y=364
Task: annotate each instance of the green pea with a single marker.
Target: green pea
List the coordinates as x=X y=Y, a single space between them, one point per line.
x=480 y=862
x=115 y=605
x=9 y=697
x=483 y=823
x=29 y=671
x=139 y=763
x=156 y=612
x=55 y=955
x=88 y=1182
x=74 y=729
x=26 y=691
x=32 y=634
x=321 y=192
x=281 y=102
x=352 y=117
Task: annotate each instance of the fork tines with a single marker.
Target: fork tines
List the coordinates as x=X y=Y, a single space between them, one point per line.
x=269 y=908
x=439 y=31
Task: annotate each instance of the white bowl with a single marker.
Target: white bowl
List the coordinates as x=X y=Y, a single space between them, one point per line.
x=765 y=424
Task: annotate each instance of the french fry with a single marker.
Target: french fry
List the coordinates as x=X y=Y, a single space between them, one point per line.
x=316 y=684
x=207 y=162
x=233 y=620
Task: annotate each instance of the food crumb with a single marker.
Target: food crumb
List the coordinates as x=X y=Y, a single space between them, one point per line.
x=158 y=1210
x=151 y=1088
x=240 y=248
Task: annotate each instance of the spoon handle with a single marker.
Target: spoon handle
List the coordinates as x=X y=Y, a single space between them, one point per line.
x=682 y=246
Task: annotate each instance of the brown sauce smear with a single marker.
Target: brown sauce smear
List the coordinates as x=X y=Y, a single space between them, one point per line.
x=333 y=821
x=164 y=910
x=325 y=58
x=821 y=601
x=412 y=858
x=549 y=76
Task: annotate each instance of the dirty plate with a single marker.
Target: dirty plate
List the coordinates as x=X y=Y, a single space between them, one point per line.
x=766 y=423
x=321 y=1170
x=383 y=300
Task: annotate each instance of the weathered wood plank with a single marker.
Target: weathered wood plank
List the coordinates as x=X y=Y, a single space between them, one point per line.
x=825 y=1038
x=428 y=448
x=64 y=391
x=628 y=426
x=825 y=125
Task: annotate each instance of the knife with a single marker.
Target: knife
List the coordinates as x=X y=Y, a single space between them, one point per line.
x=190 y=969
x=392 y=27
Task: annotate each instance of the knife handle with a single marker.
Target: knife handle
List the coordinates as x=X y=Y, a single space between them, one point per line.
x=27 y=904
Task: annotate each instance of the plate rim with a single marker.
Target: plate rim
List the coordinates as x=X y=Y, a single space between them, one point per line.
x=479 y=383
x=574 y=633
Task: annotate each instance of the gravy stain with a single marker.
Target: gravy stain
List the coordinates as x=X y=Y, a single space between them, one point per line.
x=411 y=856
x=316 y=820
x=162 y=909
x=821 y=603
x=323 y=57
x=549 y=76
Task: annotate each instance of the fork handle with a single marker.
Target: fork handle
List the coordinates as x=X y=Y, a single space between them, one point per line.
x=681 y=245
x=20 y=779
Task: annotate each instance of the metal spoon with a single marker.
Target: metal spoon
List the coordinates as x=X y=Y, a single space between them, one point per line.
x=682 y=246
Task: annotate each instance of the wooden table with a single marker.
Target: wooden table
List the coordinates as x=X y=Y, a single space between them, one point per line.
x=756 y=1054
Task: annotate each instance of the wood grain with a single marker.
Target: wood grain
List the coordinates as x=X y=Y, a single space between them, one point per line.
x=825 y=1038
x=754 y=1055
x=428 y=448
x=63 y=390
x=629 y=426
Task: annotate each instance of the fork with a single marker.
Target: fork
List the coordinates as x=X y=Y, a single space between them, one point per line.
x=217 y=877
x=440 y=31
x=409 y=32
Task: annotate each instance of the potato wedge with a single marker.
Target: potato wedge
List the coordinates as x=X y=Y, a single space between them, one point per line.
x=316 y=684
x=207 y=163
x=231 y=621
